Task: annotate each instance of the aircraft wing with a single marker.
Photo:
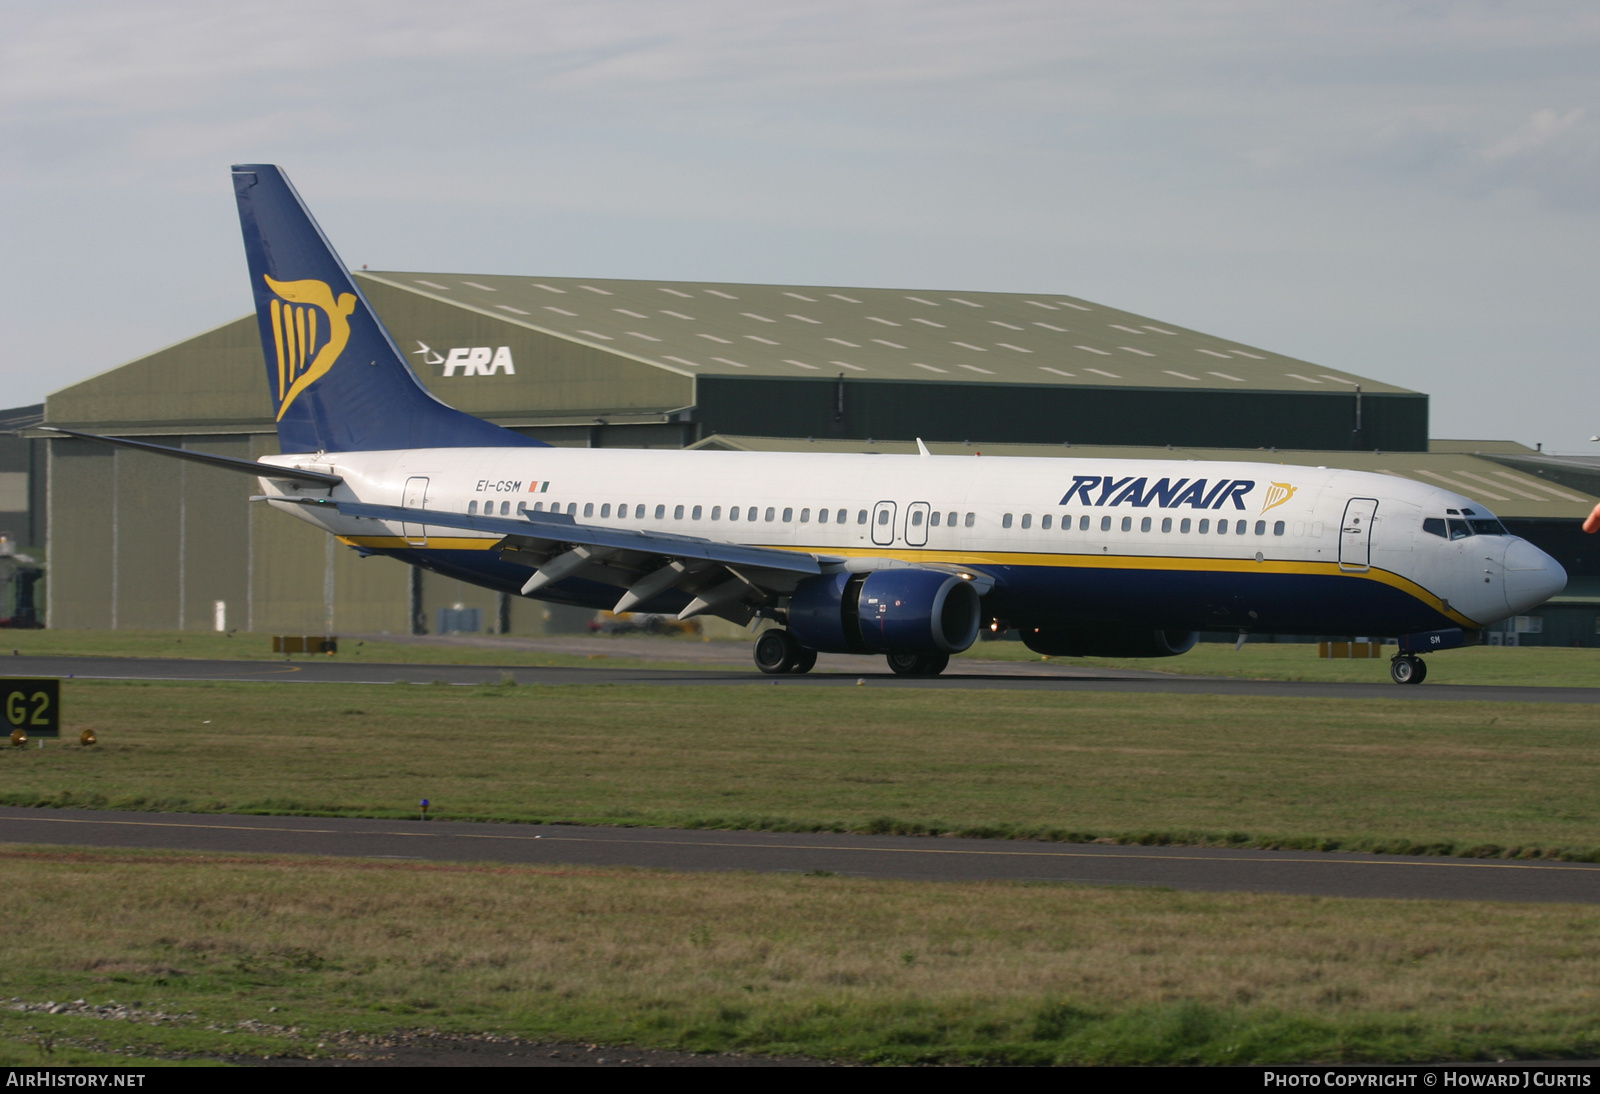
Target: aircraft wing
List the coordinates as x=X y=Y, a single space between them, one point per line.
x=726 y=579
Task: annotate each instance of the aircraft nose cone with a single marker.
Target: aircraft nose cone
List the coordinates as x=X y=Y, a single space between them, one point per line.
x=1532 y=577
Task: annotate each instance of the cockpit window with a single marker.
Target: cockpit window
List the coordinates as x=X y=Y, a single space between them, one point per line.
x=1455 y=528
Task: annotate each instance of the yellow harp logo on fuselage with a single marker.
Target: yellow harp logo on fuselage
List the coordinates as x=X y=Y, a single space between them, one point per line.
x=1277 y=494
x=310 y=330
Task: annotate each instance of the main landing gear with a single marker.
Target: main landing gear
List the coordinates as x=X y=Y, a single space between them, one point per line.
x=1408 y=668
x=778 y=654
x=906 y=663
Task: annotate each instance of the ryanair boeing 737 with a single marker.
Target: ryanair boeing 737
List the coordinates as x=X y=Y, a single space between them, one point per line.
x=907 y=556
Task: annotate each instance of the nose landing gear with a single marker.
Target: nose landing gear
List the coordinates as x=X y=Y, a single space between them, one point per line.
x=1408 y=668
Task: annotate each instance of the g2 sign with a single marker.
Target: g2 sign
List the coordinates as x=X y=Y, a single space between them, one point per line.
x=33 y=706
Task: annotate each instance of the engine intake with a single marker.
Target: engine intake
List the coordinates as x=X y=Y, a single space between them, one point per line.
x=925 y=611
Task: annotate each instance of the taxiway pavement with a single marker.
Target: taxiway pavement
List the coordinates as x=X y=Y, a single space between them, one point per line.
x=969 y=675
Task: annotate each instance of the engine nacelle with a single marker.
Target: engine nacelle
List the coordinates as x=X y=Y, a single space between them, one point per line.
x=923 y=611
x=1090 y=641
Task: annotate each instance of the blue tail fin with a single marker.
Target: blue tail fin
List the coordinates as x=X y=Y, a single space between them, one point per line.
x=338 y=382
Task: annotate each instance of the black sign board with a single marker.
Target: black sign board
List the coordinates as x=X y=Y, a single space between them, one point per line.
x=33 y=706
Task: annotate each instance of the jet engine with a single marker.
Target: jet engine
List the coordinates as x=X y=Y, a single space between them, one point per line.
x=906 y=610
x=1091 y=641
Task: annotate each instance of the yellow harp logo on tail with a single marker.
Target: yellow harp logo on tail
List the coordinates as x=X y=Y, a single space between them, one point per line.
x=1277 y=494
x=309 y=329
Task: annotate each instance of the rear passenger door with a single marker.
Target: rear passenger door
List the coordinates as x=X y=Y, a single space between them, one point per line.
x=416 y=497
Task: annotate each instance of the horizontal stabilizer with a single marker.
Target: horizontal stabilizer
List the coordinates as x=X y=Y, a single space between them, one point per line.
x=227 y=463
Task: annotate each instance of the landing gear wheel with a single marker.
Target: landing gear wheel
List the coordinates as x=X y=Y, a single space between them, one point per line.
x=908 y=663
x=777 y=653
x=805 y=660
x=905 y=663
x=1408 y=669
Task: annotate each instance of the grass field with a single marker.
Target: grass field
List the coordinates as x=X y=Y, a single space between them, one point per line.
x=1544 y=666
x=1396 y=775
x=217 y=955
x=195 y=951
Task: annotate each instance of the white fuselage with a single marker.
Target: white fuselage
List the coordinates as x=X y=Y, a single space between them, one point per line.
x=1190 y=528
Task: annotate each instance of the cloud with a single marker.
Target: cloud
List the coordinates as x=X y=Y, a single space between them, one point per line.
x=1238 y=164
x=1534 y=134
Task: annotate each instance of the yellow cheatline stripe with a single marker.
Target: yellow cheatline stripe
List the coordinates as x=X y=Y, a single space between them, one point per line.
x=1148 y=562
x=1020 y=558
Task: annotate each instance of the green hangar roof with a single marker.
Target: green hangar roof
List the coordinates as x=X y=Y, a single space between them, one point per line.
x=699 y=329
x=588 y=361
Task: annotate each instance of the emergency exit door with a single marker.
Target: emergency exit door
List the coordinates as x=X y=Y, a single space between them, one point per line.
x=883 y=523
x=917 y=524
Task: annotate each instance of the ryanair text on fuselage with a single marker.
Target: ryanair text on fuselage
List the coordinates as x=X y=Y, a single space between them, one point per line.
x=1108 y=490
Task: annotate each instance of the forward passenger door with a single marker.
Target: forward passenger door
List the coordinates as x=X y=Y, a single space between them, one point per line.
x=1355 y=535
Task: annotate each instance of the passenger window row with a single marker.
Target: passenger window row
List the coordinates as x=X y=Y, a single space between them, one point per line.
x=1458 y=529
x=679 y=512
x=734 y=513
x=1147 y=524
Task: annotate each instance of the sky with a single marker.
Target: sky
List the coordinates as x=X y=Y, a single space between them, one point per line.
x=1407 y=191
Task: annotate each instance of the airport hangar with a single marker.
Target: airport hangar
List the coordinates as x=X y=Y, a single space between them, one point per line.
x=136 y=541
